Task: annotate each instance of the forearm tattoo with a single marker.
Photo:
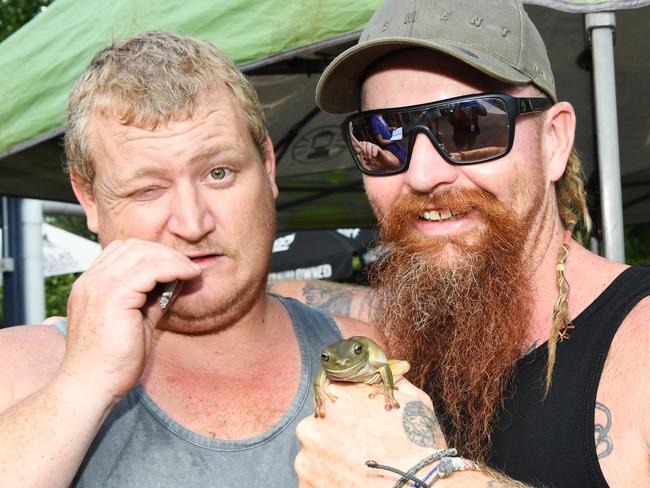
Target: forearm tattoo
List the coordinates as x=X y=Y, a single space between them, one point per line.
x=330 y=298
x=604 y=444
x=421 y=425
x=422 y=428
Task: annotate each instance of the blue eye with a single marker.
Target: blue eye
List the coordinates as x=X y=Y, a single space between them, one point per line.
x=218 y=173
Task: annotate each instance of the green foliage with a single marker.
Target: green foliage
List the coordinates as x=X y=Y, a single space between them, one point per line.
x=637 y=244
x=15 y=13
x=57 y=290
x=74 y=224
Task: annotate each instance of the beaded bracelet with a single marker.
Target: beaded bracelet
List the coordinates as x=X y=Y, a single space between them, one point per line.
x=448 y=464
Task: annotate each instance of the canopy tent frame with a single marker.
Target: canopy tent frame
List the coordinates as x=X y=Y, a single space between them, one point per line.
x=601 y=28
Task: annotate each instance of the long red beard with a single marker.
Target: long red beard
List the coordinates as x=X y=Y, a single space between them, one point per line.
x=456 y=308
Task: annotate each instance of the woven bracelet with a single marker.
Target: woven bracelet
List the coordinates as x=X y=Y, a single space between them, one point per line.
x=448 y=466
x=410 y=474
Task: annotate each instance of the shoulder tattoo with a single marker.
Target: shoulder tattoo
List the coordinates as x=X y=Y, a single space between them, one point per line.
x=421 y=425
x=328 y=297
x=604 y=444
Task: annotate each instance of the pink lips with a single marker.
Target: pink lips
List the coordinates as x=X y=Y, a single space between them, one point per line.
x=206 y=260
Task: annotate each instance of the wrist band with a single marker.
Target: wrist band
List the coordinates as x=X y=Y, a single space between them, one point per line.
x=439 y=454
x=448 y=466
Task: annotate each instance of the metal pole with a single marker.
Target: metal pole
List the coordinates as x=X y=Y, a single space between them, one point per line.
x=32 y=256
x=60 y=208
x=600 y=28
x=12 y=297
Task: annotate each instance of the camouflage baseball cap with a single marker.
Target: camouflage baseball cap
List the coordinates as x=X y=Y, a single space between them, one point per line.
x=494 y=36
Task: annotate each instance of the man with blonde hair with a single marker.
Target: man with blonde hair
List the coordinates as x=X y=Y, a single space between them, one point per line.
x=169 y=156
x=477 y=216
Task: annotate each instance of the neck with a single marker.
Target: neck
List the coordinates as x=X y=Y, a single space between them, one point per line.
x=229 y=346
x=233 y=383
x=543 y=249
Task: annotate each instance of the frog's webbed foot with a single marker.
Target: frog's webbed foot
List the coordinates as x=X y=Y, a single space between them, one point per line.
x=390 y=401
x=389 y=398
x=319 y=411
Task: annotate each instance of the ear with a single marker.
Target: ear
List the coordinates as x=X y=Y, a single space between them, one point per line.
x=557 y=137
x=86 y=198
x=269 y=163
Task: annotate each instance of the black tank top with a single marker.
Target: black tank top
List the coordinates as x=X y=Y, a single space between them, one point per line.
x=550 y=442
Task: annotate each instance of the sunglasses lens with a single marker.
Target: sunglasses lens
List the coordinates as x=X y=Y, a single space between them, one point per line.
x=378 y=142
x=465 y=131
x=471 y=131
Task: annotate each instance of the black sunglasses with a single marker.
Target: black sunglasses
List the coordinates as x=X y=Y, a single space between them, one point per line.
x=465 y=130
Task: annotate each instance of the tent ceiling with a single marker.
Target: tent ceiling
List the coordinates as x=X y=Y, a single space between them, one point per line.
x=319 y=186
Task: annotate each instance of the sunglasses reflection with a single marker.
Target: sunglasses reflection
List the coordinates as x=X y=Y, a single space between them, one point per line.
x=382 y=155
x=465 y=131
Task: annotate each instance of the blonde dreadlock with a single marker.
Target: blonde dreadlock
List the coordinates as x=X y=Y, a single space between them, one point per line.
x=572 y=206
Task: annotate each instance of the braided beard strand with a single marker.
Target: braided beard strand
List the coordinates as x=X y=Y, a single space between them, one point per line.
x=460 y=324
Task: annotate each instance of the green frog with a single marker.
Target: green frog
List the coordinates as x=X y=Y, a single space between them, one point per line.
x=361 y=360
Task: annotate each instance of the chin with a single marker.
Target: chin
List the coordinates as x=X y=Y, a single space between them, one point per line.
x=203 y=311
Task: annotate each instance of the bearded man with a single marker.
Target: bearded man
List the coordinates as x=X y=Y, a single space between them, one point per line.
x=472 y=289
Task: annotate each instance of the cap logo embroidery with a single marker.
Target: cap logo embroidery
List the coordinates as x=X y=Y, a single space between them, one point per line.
x=445 y=15
x=540 y=72
x=504 y=31
x=411 y=17
x=476 y=21
x=384 y=27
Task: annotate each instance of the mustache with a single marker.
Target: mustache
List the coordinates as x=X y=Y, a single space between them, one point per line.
x=206 y=247
x=455 y=199
x=397 y=226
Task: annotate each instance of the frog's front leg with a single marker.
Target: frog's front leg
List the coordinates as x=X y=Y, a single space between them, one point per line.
x=389 y=386
x=320 y=392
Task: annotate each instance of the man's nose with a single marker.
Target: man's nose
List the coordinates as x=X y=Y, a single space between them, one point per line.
x=427 y=168
x=191 y=217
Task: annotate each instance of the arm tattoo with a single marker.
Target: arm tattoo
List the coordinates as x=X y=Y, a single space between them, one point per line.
x=604 y=444
x=330 y=298
x=421 y=425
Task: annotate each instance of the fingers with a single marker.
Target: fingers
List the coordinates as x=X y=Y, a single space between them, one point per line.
x=111 y=311
x=126 y=273
x=357 y=429
x=137 y=266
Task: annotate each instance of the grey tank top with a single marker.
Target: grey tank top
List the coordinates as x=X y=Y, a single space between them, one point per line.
x=140 y=446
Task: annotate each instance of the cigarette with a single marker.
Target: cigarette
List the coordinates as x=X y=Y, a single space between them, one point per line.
x=167 y=293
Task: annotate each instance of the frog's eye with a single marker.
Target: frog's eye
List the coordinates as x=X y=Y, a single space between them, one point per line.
x=324 y=357
x=358 y=349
